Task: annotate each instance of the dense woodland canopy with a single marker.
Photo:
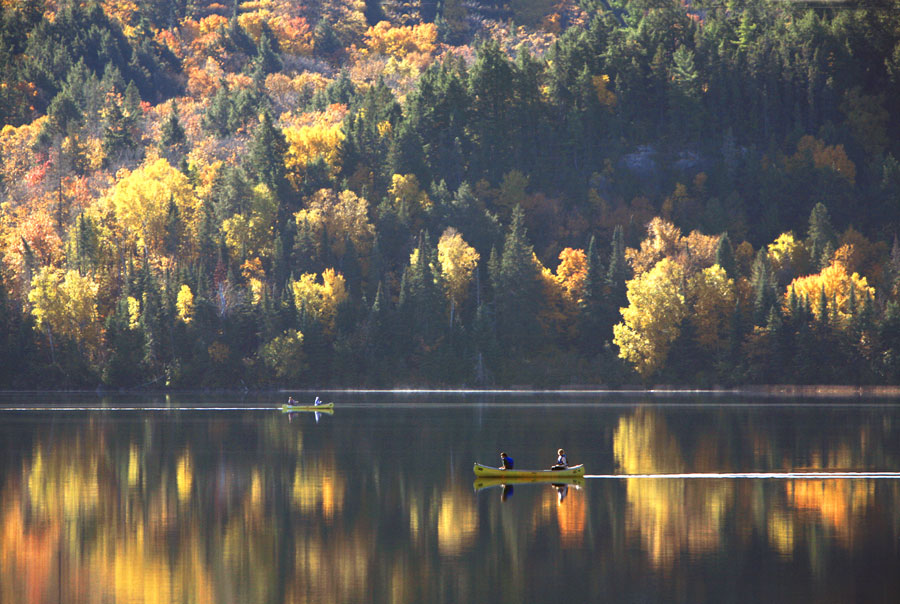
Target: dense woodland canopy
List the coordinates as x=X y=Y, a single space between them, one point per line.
x=384 y=192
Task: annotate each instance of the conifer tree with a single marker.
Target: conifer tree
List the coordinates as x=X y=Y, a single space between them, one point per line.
x=172 y=135
x=820 y=235
x=516 y=289
x=762 y=283
x=591 y=304
x=725 y=256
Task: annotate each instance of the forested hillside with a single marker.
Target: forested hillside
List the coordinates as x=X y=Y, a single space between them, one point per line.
x=448 y=192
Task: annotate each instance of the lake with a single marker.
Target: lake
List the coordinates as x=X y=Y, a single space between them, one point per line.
x=223 y=498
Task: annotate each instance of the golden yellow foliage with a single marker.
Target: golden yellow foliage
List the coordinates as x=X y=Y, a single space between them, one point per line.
x=134 y=312
x=557 y=309
x=141 y=201
x=789 y=257
x=406 y=195
x=836 y=283
x=309 y=143
x=340 y=214
x=320 y=300
x=398 y=42
x=652 y=319
x=712 y=299
x=253 y=234
x=64 y=303
x=458 y=261
x=664 y=240
x=184 y=304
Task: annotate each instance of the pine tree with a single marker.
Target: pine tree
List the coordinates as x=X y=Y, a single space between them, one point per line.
x=762 y=283
x=265 y=161
x=725 y=256
x=267 y=52
x=516 y=289
x=174 y=229
x=591 y=304
x=820 y=235
x=172 y=136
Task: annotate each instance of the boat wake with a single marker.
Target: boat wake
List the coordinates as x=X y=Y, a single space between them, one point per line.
x=824 y=475
x=181 y=408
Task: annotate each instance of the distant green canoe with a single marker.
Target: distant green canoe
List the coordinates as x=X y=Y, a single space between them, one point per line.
x=488 y=471
x=323 y=408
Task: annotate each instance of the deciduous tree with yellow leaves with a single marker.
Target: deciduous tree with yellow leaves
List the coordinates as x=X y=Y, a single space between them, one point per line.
x=458 y=261
x=836 y=284
x=140 y=200
x=320 y=300
x=652 y=320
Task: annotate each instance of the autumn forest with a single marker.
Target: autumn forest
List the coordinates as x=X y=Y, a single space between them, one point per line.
x=243 y=194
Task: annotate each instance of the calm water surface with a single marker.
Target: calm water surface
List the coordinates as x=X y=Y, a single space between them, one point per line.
x=378 y=503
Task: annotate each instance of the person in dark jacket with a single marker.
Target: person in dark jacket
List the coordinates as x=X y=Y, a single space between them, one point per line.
x=506 y=462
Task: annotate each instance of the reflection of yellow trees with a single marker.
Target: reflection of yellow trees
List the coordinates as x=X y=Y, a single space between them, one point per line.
x=457 y=522
x=63 y=485
x=837 y=502
x=317 y=488
x=330 y=570
x=184 y=476
x=127 y=568
x=71 y=530
x=670 y=515
x=781 y=531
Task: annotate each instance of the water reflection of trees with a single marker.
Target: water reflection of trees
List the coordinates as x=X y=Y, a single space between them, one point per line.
x=254 y=509
x=674 y=517
x=197 y=509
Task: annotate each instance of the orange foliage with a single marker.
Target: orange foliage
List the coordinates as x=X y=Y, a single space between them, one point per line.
x=33 y=228
x=832 y=157
x=572 y=271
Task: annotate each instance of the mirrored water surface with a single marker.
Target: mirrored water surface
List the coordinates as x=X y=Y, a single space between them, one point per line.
x=224 y=498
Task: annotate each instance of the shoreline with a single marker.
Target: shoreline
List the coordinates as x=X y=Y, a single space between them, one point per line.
x=773 y=390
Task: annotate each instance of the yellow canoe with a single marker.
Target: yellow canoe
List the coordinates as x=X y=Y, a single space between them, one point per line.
x=488 y=471
x=323 y=408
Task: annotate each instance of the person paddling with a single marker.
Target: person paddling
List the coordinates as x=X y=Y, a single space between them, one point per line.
x=506 y=462
x=562 y=462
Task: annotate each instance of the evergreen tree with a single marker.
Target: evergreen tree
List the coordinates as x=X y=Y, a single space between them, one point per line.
x=174 y=229
x=172 y=135
x=516 y=289
x=267 y=52
x=591 y=304
x=762 y=283
x=820 y=235
x=725 y=256
x=265 y=161
x=219 y=116
x=490 y=89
